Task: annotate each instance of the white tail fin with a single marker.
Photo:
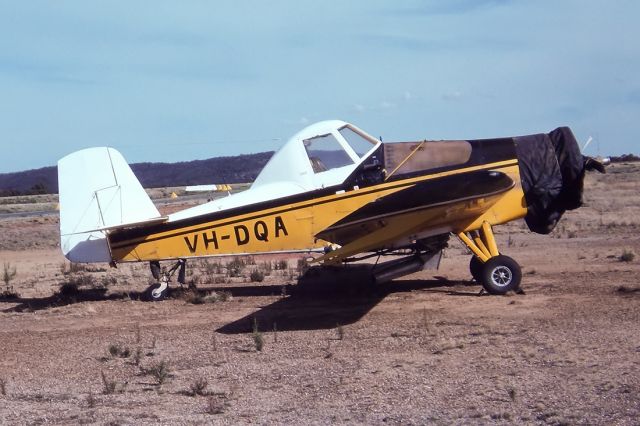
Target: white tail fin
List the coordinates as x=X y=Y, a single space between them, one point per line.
x=97 y=190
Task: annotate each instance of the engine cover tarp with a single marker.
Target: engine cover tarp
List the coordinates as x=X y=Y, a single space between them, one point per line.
x=552 y=172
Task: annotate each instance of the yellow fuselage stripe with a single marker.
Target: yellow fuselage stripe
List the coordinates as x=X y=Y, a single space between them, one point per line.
x=286 y=227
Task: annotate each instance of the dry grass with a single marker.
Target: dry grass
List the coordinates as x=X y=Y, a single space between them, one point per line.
x=420 y=350
x=215 y=405
x=257 y=337
x=108 y=386
x=160 y=371
x=199 y=387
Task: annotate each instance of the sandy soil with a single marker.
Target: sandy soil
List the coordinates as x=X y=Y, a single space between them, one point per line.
x=423 y=349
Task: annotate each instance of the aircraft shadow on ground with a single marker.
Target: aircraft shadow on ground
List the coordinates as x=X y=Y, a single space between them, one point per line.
x=326 y=301
x=321 y=300
x=30 y=304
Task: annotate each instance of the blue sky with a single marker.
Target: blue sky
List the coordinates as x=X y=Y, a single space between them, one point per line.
x=175 y=81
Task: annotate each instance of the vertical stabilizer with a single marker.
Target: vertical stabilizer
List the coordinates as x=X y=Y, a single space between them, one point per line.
x=97 y=190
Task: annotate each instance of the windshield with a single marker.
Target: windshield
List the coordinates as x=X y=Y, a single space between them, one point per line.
x=326 y=153
x=358 y=143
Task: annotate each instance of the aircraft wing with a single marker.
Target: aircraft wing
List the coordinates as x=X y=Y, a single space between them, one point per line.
x=431 y=207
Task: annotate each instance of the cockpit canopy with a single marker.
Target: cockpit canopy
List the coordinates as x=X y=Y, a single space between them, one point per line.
x=321 y=155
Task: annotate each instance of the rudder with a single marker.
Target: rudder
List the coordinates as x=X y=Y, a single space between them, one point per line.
x=98 y=190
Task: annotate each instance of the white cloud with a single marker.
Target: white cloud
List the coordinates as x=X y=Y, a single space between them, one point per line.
x=125 y=74
x=456 y=95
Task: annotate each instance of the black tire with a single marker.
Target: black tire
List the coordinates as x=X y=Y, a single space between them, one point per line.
x=154 y=296
x=475 y=267
x=501 y=274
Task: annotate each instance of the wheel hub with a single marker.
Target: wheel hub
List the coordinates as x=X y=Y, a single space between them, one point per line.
x=157 y=292
x=501 y=276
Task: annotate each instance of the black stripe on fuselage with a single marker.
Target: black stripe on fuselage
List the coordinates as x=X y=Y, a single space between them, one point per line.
x=430 y=192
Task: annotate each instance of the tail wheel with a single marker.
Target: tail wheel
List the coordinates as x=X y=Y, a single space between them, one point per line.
x=500 y=274
x=156 y=292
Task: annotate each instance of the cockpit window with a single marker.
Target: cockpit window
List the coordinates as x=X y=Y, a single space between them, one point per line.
x=359 y=144
x=326 y=153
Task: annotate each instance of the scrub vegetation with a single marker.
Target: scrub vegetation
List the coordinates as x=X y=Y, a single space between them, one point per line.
x=424 y=349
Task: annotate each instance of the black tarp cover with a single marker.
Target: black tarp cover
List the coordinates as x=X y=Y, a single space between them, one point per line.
x=552 y=172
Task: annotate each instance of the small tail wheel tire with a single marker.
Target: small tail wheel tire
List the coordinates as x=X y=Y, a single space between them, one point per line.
x=475 y=267
x=501 y=274
x=156 y=293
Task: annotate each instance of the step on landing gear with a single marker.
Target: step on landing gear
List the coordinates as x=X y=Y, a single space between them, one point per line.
x=158 y=291
x=497 y=273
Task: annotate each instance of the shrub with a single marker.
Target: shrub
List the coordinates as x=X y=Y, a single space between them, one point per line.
x=258 y=339
x=302 y=266
x=68 y=289
x=235 y=267
x=137 y=356
x=199 y=387
x=256 y=276
x=266 y=267
x=627 y=256
x=214 y=406
x=72 y=286
x=106 y=281
x=217 y=296
x=9 y=273
x=109 y=386
x=116 y=350
x=193 y=296
x=159 y=371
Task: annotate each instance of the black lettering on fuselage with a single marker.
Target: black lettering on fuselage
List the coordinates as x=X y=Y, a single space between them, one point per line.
x=192 y=246
x=241 y=239
x=261 y=231
x=279 y=224
x=213 y=239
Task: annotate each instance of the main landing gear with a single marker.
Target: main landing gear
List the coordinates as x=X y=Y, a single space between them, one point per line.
x=497 y=273
x=158 y=291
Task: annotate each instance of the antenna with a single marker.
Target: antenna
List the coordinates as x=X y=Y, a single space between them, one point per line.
x=586 y=144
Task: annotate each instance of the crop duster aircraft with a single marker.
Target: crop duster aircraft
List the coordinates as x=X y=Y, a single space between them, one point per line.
x=336 y=190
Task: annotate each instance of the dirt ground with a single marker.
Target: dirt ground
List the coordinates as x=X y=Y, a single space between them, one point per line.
x=77 y=346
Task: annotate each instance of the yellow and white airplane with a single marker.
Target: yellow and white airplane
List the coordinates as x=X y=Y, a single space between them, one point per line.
x=335 y=190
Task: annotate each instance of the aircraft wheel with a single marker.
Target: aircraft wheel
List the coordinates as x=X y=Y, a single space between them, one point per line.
x=475 y=267
x=500 y=274
x=156 y=292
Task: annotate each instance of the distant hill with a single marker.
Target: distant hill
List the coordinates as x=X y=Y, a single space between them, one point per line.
x=625 y=158
x=236 y=169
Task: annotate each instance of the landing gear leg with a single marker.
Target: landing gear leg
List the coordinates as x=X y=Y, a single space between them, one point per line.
x=158 y=291
x=497 y=273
